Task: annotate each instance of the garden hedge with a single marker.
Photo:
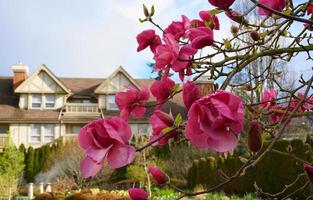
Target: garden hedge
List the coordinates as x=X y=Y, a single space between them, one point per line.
x=271 y=174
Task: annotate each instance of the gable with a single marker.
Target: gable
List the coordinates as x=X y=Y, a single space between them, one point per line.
x=116 y=82
x=42 y=81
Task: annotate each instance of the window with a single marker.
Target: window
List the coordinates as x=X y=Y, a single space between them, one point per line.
x=42 y=133
x=111 y=105
x=48 y=133
x=35 y=135
x=86 y=101
x=4 y=128
x=143 y=129
x=36 y=101
x=50 y=101
x=76 y=128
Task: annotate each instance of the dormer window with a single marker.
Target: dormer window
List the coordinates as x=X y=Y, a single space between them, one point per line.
x=111 y=105
x=49 y=101
x=36 y=101
x=39 y=101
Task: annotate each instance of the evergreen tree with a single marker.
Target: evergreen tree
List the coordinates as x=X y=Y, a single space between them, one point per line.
x=36 y=162
x=29 y=165
x=11 y=168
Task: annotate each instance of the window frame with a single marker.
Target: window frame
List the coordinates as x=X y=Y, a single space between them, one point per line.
x=42 y=133
x=4 y=128
x=47 y=102
x=140 y=127
x=32 y=101
x=76 y=126
x=51 y=134
x=108 y=104
x=32 y=135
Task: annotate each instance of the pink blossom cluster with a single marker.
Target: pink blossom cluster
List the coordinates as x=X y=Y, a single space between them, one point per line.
x=269 y=102
x=170 y=52
x=214 y=120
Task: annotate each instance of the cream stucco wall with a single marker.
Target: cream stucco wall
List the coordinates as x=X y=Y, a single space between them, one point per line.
x=23 y=102
x=102 y=101
x=20 y=134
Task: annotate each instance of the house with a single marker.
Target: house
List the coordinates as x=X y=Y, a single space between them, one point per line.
x=39 y=108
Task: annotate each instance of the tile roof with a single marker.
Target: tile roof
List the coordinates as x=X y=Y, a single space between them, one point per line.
x=9 y=110
x=81 y=86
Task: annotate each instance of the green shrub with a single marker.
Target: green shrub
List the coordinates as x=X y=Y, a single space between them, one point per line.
x=164 y=194
x=271 y=174
x=29 y=165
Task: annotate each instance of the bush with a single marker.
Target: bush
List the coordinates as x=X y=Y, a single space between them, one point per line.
x=177 y=162
x=64 y=164
x=271 y=175
x=11 y=168
x=44 y=196
x=29 y=165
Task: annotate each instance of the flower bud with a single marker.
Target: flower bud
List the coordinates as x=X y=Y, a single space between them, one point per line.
x=309 y=171
x=254 y=136
x=255 y=35
x=137 y=194
x=234 y=29
x=145 y=10
x=159 y=176
x=165 y=118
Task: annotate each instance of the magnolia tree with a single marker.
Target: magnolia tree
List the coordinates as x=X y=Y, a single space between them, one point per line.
x=215 y=120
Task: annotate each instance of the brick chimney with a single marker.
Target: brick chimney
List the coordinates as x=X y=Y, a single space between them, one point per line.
x=20 y=73
x=206 y=85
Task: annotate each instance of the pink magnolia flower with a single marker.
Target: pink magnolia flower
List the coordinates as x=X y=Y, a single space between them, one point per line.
x=309 y=10
x=215 y=120
x=277 y=114
x=222 y=4
x=160 y=121
x=132 y=102
x=178 y=28
x=183 y=63
x=269 y=97
x=162 y=89
x=196 y=23
x=305 y=106
x=209 y=20
x=148 y=38
x=105 y=139
x=278 y=5
x=166 y=54
x=309 y=171
x=191 y=93
x=137 y=194
x=158 y=176
x=201 y=37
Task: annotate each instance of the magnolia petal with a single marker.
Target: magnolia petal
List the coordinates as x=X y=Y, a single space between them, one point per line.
x=98 y=155
x=86 y=138
x=89 y=168
x=121 y=127
x=227 y=142
x=138 y=111
x=121 y=155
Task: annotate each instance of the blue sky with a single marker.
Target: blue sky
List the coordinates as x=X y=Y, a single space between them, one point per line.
x=83 y=38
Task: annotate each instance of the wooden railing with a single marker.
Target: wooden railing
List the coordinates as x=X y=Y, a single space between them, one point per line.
x=82 y=108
